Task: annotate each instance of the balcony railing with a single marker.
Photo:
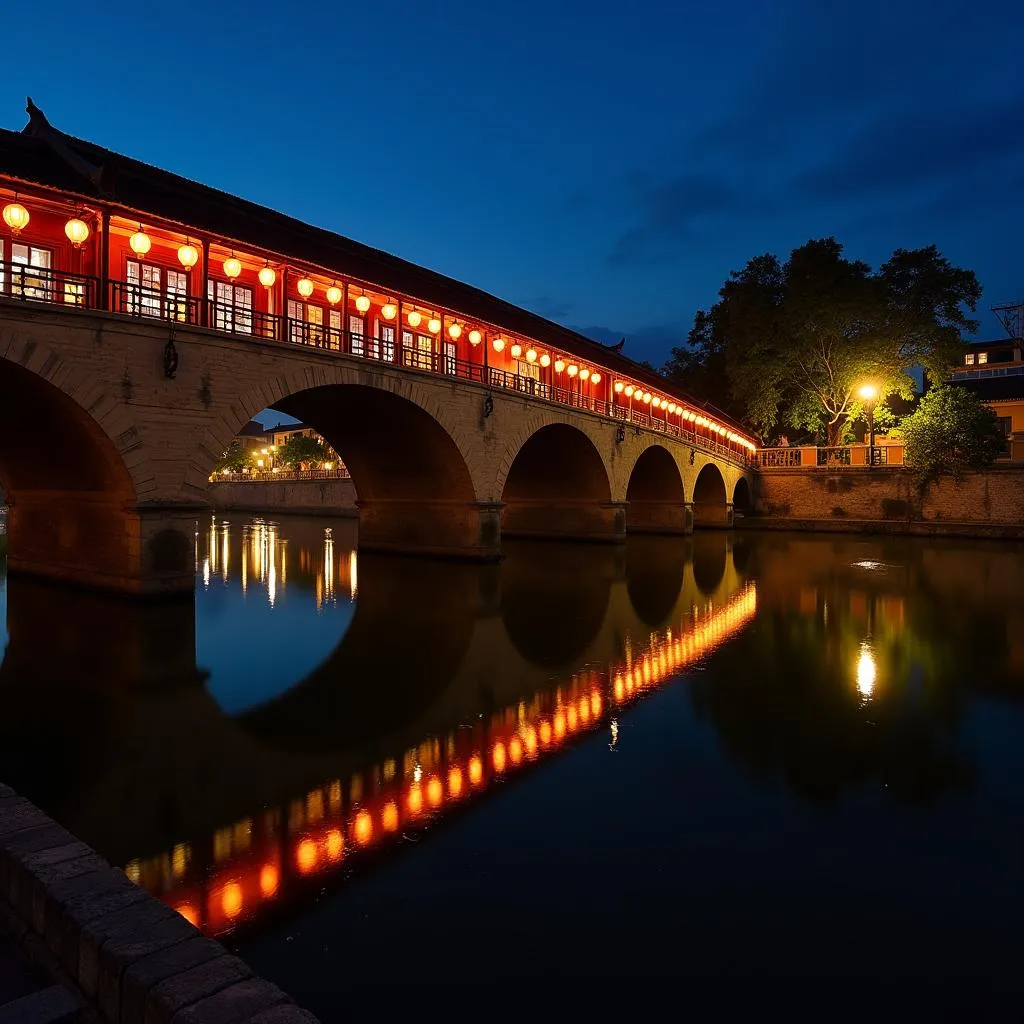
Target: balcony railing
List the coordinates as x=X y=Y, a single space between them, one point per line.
x=271 y=475
x=857 y=456
x=34 y=284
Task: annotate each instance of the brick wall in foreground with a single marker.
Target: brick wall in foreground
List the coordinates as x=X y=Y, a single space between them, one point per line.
x=995 y=496
x=133 y=958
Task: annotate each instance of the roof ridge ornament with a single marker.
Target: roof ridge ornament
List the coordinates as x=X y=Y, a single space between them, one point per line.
x=40 y=128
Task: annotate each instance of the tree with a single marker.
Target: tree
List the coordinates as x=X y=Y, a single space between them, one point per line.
x=301 y=451
x=950 y=433
x=793 y=342
x=235 y=459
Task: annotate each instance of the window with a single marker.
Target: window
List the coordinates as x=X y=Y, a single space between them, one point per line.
x=387 y=341
x=153 y=291
x=424 y=352
x=357 y=332
x=334 y=329
x=305 y=323
x=969 y=359
x=982 y=358
x=232 y=306
x=450 y=361
x=35 y=281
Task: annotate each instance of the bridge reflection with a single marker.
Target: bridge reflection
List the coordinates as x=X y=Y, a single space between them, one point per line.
x=402 y=692
x=252 y=863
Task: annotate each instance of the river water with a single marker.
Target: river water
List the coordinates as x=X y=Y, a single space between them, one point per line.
x=739 y=771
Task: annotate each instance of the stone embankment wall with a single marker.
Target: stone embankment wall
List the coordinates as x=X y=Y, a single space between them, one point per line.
x=130 y=957
x=316 y=497
x=889 y=496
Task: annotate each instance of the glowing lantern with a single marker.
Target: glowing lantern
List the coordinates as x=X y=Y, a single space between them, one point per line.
x=454 y=332
x=188 y=255
x=619 y=387
x=363 y=303
x=389 y=311
x=584 y=374
x=516 y=350
x=414 y=319
x=15 y=217
x=499 y=344
x=304 y=287
x=434 y=325
x=232 y=268
x=231 y=899
x=335 y=845
x=77 y=231
x=647 y=398
x=573 y=370
x=363 y=827
x=269 y=879
x=531 y=355
x=595 y=703
x=559 y=365
x=267 y=276
x=435 y=791
x=334 y=295
x=672 y=408
x=140 y=242
x=595 y=378
x=306 y=856
x=545 y=360
x=475 y=338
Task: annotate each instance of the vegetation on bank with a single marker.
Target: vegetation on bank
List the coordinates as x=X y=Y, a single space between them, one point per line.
x=299 y=452
x=791 y=346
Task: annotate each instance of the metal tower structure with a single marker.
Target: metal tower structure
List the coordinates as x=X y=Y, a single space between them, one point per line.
x=1011 y=316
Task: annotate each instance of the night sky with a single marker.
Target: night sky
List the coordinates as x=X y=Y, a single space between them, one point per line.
x=604 y=164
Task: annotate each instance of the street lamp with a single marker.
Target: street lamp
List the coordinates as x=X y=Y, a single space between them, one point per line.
x=869 y=396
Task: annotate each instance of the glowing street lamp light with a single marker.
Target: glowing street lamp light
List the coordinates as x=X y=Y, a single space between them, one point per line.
x=869 y=396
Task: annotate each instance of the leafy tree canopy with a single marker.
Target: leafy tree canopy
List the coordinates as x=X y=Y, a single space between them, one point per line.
x=236 y=458
x=791 y=344
x=300 y=451
x=950 y=433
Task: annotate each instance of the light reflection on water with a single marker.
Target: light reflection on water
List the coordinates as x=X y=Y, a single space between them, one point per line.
x=750 y=737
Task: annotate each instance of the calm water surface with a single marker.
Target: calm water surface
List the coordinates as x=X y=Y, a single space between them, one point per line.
x=742 y=773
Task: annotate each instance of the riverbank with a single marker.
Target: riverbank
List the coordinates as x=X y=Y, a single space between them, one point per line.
x=886 y=527
x=334 y=497
x=112 y=951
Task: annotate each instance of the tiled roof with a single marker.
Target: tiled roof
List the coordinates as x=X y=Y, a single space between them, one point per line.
x=141 y=188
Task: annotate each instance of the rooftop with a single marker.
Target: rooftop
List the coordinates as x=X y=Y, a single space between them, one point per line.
x=139 y=189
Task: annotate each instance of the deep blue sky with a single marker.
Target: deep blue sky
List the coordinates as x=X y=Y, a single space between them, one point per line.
x=605 y=164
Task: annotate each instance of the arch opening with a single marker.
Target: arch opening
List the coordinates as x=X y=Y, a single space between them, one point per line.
x=655 y=496
x=414 y=491
x=710 y=505
x=72 y=500
x=741 y=496
x=557 y=487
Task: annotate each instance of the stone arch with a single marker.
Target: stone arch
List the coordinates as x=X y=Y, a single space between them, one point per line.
x=557 y=485
x=741 y=495
x=75 y=478
x=654 y=493
x=710 y=504
x=406 y=451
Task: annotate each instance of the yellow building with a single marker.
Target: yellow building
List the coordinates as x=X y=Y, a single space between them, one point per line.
x=994 y=371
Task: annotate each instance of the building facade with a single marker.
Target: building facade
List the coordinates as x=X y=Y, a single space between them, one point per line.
x=994 y=371
x=84 y=227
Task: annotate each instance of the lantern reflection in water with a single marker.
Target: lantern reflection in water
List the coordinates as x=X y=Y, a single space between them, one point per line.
x=430 y=776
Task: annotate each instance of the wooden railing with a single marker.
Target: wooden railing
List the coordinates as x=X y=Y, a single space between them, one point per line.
x=255 y=476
